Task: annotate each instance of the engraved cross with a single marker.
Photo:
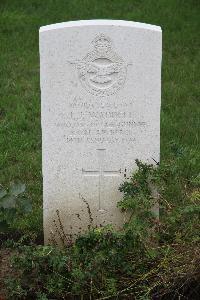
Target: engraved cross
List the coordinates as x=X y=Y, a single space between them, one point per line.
x=101 y=173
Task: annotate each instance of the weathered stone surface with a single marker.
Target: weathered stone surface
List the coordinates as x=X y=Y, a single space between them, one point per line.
x=101 y=94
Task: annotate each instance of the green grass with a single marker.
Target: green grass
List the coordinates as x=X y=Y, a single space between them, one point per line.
x=20 y=130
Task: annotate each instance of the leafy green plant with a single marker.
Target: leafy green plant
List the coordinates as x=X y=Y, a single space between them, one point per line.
x=180 y=213
x=13 y=204
x=138 y=198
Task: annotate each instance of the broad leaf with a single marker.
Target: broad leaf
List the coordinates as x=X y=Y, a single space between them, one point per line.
x=24 y=205
x=17 y=188
x=2 y=193
x=9 y=201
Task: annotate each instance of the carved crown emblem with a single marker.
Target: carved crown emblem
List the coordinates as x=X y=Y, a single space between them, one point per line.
x=102 y=43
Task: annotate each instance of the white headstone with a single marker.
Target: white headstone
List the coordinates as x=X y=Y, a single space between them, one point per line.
x=101 y=95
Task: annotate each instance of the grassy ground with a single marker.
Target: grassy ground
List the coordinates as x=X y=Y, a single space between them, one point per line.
x=20 y=131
